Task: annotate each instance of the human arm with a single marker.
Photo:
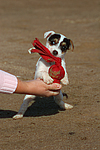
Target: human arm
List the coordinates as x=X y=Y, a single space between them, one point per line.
x=10 y=84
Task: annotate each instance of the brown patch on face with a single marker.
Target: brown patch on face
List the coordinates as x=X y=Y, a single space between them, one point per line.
x=72 y=45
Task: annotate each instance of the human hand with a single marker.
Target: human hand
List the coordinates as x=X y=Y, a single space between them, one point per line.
x=37 y=87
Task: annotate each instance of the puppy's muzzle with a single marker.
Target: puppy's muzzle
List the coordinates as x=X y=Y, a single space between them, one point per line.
x=55 y=53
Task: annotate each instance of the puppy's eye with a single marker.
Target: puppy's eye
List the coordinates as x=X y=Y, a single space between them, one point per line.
x=63 y=46
x=53 y=41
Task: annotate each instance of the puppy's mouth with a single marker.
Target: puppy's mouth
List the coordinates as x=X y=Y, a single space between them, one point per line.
x=55 y=53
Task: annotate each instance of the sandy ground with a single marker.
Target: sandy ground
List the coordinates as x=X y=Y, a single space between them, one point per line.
x=44 y=125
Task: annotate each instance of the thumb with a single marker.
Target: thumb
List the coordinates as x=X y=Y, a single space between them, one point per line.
x=54 y=86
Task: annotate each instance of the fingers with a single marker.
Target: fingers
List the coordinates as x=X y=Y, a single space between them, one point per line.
x=48 y=90
x=54 y=93
x=54 y=89
x=54 y=86
x=51 y=93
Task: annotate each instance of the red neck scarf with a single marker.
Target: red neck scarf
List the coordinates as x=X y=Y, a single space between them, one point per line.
x=56 y=71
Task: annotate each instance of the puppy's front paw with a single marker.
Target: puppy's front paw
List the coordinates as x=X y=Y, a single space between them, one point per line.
x=18 y=116
x=65 y=81
x=47 y=79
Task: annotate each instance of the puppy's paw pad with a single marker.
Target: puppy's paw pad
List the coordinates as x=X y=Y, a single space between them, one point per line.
x=68 y=106
x=48 y=80
x=64 y=82
x=18 y=116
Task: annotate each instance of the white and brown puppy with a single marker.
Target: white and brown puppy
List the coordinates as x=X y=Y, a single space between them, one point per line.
x=58 y=45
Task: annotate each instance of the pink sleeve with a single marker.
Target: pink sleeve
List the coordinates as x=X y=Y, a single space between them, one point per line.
x=8 y=82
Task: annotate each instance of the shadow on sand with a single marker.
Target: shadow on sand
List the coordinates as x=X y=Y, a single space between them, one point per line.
x=41 y=107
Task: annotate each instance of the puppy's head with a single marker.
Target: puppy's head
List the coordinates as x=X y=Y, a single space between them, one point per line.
x=58 y=44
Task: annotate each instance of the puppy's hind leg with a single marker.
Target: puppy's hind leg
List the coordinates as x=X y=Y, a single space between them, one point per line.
x=58 y=99
x=24 y=106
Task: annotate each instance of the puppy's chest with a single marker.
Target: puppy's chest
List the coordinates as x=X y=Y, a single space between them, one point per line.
x=42 y=65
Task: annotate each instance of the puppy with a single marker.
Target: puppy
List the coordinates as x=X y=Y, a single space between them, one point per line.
x=58 y=45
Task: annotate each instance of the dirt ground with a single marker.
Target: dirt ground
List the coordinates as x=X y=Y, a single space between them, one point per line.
x=44 y=125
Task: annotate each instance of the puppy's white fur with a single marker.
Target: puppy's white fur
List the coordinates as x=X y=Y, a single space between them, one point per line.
x=41 y=72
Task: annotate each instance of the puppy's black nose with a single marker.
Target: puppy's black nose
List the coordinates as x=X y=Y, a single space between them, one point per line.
x=55 y=53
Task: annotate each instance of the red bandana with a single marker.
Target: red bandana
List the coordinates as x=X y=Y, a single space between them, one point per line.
x=56 y=71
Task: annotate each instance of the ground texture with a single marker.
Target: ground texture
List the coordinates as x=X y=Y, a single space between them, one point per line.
x=44 y=125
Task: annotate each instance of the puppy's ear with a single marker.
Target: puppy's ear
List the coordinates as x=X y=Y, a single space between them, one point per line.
x=48 y=34
x=71 y=45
